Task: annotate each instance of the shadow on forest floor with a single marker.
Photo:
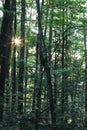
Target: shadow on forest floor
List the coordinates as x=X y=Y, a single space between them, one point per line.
x=29 y=126
x=40 y=128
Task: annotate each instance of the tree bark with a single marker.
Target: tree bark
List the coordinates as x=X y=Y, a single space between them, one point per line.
x=21 y=60
x=14 y=62
x=45 y=63
x=5 y=42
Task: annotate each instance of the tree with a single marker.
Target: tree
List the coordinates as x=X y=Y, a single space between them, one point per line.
x=44 y=85
x=21 y=60
x=44 y=61
x=5 y=44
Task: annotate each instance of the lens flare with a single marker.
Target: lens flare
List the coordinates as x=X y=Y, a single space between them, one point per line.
x=17 y=41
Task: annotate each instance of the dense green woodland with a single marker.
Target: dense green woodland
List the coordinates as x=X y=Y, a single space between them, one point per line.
x=43 y=64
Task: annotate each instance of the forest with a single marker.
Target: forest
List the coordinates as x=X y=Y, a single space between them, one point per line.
x=43 y=64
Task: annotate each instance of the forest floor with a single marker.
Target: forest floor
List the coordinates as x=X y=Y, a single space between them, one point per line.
x=40 y=128
x=31 y=126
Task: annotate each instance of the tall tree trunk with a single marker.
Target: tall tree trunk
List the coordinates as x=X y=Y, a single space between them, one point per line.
x=8 y=89
x=55 y=76
x=38 y=96
x=14 y=62
x=26 y=77
x=5 y=41
x=63 y=74
x=64 y=66
x=21 y=61
x=44 y=61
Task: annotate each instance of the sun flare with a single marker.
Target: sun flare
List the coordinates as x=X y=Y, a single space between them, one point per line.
x=17 y=41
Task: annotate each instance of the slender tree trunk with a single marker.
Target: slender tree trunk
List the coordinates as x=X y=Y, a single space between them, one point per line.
x=44 y=61
x=66 y=77
x=37 y=88
x=21 y=62
x=14 y=62
x=50 y=95
x=63 y=74
x=55 y=78
x=26 y=77
x=38 y=97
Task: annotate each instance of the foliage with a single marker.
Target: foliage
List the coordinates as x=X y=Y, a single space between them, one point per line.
x=45 y=80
